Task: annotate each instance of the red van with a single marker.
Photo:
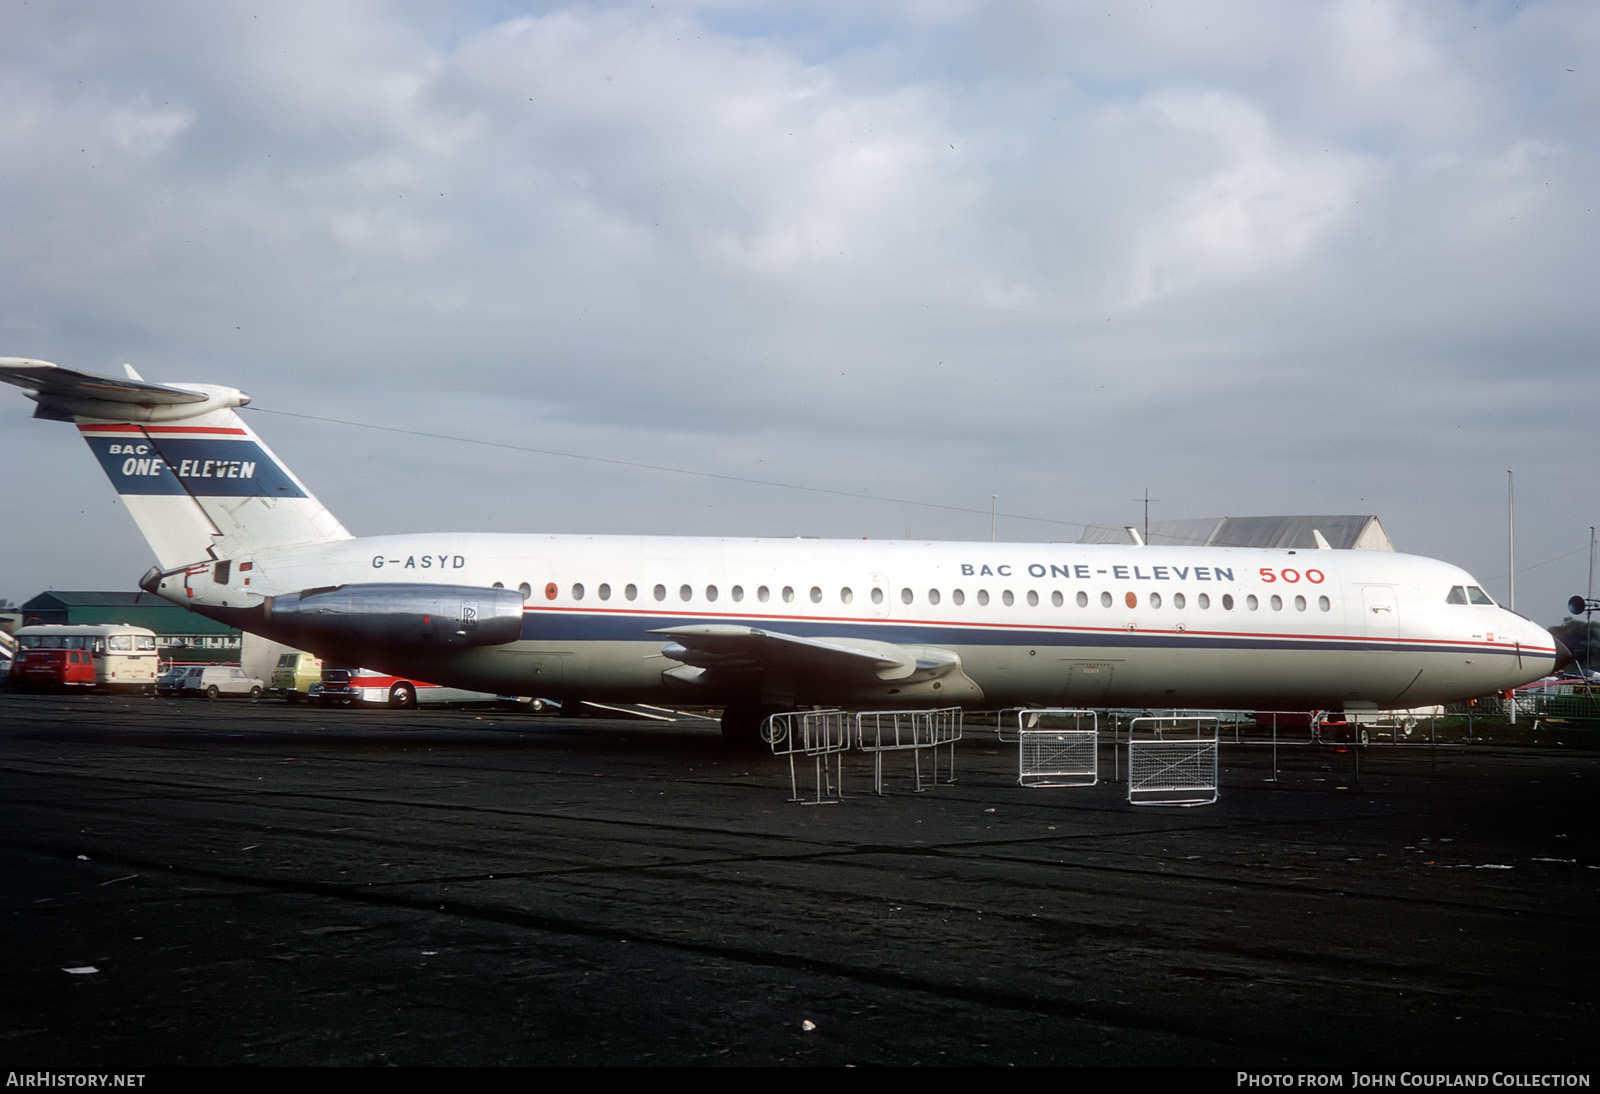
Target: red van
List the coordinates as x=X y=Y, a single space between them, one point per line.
x=53 y=669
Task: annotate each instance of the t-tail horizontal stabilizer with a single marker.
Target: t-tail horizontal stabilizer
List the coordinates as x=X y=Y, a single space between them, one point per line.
x=195 y=478
x=65 y=394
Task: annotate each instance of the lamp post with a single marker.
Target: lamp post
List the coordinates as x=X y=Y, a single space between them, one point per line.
x=1585 y=606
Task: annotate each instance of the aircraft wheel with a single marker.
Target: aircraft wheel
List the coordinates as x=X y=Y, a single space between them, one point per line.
x=769 y=734
x=742 y=728
x=402 y=696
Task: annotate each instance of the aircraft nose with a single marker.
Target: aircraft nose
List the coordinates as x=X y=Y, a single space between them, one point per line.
x=1563 y=655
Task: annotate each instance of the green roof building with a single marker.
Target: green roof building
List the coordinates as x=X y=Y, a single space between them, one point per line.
x=181 y=635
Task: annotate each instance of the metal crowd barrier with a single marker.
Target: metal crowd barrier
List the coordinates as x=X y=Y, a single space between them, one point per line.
x=1057 y=746
x=914 y=731
x=821 y=735
x=1172 y=760
x=1005 y=724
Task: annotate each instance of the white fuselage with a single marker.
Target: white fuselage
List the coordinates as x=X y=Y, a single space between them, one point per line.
x=1030 y=623
x=756 y=624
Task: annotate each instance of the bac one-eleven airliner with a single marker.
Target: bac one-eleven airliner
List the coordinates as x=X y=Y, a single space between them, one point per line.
x=757 y=625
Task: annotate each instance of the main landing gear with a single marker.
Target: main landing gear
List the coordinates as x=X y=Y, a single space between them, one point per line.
x=743 y=726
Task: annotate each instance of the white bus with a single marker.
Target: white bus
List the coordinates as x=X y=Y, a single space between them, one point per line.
x=124 y=657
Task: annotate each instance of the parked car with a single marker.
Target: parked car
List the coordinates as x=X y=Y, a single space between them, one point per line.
x=215 y=681
x=173 y=680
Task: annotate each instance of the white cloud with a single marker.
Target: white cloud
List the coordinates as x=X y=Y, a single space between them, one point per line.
x=1263 y=206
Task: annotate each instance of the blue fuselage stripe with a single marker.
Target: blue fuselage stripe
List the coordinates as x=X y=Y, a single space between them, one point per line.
x=568 y=626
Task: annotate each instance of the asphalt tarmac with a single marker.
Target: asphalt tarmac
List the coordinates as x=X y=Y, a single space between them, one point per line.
x=194 y=883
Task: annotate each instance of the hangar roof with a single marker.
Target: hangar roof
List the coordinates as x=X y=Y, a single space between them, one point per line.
x=1346 y=532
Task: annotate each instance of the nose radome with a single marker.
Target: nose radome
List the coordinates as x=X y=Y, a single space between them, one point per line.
x=1563 y=655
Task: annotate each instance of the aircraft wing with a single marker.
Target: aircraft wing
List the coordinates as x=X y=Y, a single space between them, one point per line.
x=47 y=383
x=729 y=647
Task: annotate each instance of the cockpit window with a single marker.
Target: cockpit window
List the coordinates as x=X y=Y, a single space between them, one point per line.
x=1468 y=594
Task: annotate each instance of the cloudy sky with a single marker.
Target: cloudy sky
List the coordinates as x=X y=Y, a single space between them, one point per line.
x=839 y=269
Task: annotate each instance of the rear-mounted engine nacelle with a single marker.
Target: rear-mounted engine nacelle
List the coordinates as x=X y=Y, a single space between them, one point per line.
x=404 y=616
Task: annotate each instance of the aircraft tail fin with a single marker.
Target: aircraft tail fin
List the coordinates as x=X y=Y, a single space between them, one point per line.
x=197 y=480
